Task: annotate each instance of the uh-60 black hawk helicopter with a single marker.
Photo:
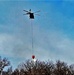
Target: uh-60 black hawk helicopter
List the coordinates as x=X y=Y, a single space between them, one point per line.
x=31 y=14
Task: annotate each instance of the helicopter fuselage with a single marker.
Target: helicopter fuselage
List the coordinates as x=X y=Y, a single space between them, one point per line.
x=31 y=15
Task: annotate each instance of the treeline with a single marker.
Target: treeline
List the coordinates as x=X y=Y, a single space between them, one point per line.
x=37 y=68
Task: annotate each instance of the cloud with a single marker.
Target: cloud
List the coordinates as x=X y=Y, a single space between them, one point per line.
x=52 y=45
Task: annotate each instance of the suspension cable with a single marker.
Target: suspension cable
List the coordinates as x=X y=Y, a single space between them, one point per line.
x=32 y=40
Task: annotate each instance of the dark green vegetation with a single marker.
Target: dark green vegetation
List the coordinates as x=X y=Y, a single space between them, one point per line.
x=37 y=68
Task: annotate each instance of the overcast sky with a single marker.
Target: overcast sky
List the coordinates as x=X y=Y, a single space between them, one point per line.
x=53 y=30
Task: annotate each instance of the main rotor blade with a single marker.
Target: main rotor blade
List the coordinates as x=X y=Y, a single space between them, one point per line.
x=37 y=14
x=25 y=14
x=25 y=10
x=37 y=11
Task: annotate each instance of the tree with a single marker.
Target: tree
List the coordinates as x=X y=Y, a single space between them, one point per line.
x=9 y=71
x=3 y=63
x=71 y=69
x=37 y=68
x=16 y=72
x=61 y=68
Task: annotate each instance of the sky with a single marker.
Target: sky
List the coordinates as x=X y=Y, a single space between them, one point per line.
x=53 y=30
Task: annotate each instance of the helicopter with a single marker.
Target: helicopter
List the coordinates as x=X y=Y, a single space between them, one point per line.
x=31 y=14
